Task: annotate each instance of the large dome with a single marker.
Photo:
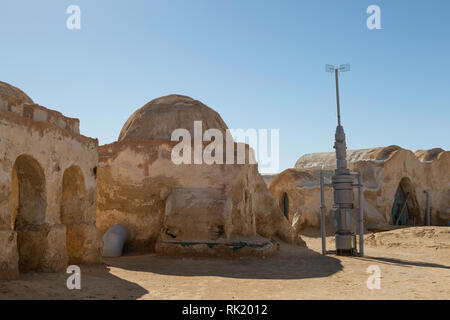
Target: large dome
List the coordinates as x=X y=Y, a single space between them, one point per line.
x=10 y=95
x=160 y=117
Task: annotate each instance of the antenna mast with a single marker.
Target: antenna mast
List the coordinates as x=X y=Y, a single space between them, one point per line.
x=336 y=70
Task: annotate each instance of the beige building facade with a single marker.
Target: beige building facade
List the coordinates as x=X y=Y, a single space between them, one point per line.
x=48 y=188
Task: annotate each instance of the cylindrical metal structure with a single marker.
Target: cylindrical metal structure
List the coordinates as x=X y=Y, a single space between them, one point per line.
x=343 y=208
x=361 y=216
x=343 y=196
x=322 y=214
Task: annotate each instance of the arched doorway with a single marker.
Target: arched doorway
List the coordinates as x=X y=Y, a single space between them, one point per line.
x=284 y=204
x=405 y=209
x=27 y=210
x=73 y=210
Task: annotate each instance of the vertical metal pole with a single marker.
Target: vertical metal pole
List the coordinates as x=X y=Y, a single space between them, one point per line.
x=322 y=214
x=361 y=216
x=428 y=208
x=336 y=71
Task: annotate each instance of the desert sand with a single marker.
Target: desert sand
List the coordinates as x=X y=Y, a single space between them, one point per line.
x=414 y=264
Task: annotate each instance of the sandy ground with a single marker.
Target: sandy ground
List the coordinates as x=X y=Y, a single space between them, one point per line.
x=414 y=264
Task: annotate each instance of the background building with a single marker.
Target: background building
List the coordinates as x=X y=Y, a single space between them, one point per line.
x=393 y=178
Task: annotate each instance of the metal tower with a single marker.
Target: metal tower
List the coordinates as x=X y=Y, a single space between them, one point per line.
x=343 y=208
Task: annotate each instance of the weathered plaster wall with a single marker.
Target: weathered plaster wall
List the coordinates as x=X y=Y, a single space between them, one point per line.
x=135 y=178
x=51 y=147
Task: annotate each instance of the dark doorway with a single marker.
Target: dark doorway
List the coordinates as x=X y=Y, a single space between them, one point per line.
x=405 y=209
x=73 y=210
x=285 y=205
x=27 y=208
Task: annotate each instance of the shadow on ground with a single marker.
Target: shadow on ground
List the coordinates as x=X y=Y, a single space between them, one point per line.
x=291 y=262
x=404 y=263
x=96 y=283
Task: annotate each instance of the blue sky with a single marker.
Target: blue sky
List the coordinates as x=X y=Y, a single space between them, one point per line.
x=260 y=64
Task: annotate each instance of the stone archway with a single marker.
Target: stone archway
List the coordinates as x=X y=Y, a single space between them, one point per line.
x=28 y=207
x=73 y=211
x=405 y=209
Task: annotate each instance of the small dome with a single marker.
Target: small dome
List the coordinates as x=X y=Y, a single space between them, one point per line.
x=428 y=155
x=11 y=95
x=160 y=117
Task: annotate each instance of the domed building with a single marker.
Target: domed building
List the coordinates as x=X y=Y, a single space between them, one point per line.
x=12 y=96
x=160 y=117
x=48 y=188
x=191 y=207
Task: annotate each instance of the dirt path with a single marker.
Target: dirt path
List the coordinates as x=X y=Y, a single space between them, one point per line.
x=414 y=264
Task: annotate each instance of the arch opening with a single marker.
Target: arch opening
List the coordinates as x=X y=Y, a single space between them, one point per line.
x=27 y=210
x=405 y=209
x=284 y=204
x=73 y=209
